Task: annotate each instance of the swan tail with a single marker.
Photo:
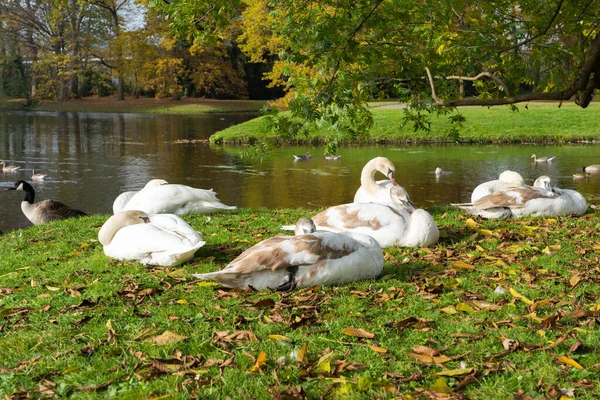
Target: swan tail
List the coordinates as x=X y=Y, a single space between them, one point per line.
x=288 y=227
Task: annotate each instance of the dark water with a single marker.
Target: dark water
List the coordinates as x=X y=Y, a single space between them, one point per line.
x=91 y=158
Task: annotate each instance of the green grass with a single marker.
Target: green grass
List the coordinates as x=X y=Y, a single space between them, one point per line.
x=540 y=122
x=77 y=324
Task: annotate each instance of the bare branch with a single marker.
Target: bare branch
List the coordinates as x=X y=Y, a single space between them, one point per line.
x=488 y=74
x=432 y=85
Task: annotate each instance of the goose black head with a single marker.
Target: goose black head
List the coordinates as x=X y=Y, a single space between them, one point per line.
x=20 y=185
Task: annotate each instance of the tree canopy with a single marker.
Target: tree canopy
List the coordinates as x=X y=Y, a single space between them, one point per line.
x=334 y=55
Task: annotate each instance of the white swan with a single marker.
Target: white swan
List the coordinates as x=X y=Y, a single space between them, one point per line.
x=308 y=259
x=507 y=179
x=542 y=159
x=539 y=200
x=390 y=226
x=159 y=197
x=45 y=210
x=121 y=201
x=439 y=171
x=38 y=176
x=378 y=191
x=162 y=239
x=8 y=168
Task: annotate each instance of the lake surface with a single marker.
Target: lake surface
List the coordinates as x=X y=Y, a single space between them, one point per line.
x=91 y=158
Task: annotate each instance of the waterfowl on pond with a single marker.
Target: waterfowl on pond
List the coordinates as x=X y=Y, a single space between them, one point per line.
x=592 y=169
x=159 y=197
x=439 y=171
x=542 y=159
x=305 y=156
x=389 y=225
x=332 y=158
x=541 y=199
x=37 y=176
x=507 y=179
x=378 y=191
x=161 y=239
x=579 y=176
x=311 y=258
x=45 y=210
x=8 y=168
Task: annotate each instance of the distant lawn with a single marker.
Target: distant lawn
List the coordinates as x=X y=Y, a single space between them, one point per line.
x=540 y=122
x=185 y=106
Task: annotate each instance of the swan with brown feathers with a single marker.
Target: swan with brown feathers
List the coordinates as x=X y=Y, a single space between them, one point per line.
x=507 y=179
x=310 y=258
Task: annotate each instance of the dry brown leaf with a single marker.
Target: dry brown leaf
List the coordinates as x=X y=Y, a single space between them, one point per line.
x=301 y=356
x=462 y=265
x=428 y=359
x=428 y=351
x=167 y=337
x=358 y=332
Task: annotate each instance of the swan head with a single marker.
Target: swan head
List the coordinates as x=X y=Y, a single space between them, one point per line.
x=304 y=226
x=401 y=199
x=155 y=183
x=544 y=182
x=383 y=165
x=532 y=156
x=509 y=176
x=118 y=221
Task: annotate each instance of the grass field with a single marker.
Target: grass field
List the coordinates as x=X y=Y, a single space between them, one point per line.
x=540 y=122
x=496 y=310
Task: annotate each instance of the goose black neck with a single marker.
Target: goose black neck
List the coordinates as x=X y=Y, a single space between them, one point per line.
x=29 y=192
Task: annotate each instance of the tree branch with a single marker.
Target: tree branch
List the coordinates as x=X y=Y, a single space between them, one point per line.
x=488 y=74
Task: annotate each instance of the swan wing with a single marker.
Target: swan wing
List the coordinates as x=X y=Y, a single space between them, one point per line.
x=516 y=197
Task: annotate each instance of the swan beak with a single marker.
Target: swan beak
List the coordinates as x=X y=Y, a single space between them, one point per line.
x=145 y=219
x=392 y=177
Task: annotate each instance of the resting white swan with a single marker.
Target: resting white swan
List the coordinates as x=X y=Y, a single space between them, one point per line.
x=539 y=200
x=45 y=210
x=159 y=197
x=121 y=201
x=377 y=191
x=507 y=179
x=308 y=259
x=161 y=239
x=390 y=226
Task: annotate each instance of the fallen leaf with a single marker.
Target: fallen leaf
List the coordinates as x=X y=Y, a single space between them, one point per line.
x=440 y=386
x=449 y=310
x=280 y=337
x=378 y=349
x=575 y=279
x=520 y=296
x=462 y=265
x=464 y=307
x=455 y=372
x=428 y=359
x=301 y=356
x=358 y=332
x=471 y=223
x=260 y=361
x=167 y=337
x=426 y=350
x=571 y=362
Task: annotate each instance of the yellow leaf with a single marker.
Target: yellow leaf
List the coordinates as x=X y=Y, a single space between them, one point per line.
x=520 y=297
x=469 y=222
x=260 y=361
x=479 y=248
x=206 y=283
x=167 y=337
x=83 y=245
x=464 y=307
x=449 y=310
x=357 y=332
x=324 y=366
x=182 y=301
x=280 y=337
x=378 y=349
x=575 y=279
x=429 y=359
x=440 y=386
x=546 y=250
x=462 y=265
x=571 y=362
x=52 y=288
x=301 y=356
x=455 y=372
x=485 y=232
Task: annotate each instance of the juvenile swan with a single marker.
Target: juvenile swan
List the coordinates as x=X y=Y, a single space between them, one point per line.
x=310 y=258
x=377 y=191
x=45 y=210
x=162 y=239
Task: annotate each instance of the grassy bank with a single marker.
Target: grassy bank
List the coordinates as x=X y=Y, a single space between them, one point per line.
x=540 y=122
x=77 y=324
x=186 y=106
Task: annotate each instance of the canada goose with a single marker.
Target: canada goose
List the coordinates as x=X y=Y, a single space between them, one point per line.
x=541 y=199
x=592 y=169
x=122 y=199
x=45 y=210
x=37 y=177
x=507 y=179
x=161 y=239
x=8 y=168
x=542 y=159
x=332 y=158
x=159 y=197
x=311 y=258
x=306 y=156
x=389 y=225
x=378 y=191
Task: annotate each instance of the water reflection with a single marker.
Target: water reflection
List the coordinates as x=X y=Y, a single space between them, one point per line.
x=91 y=158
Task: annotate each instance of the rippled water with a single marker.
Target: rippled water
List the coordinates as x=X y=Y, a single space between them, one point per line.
x=91 y=158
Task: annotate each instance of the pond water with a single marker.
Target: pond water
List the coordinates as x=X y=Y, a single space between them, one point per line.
x=91 y=158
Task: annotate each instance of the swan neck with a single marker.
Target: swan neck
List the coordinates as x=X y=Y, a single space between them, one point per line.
x=367 y=178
